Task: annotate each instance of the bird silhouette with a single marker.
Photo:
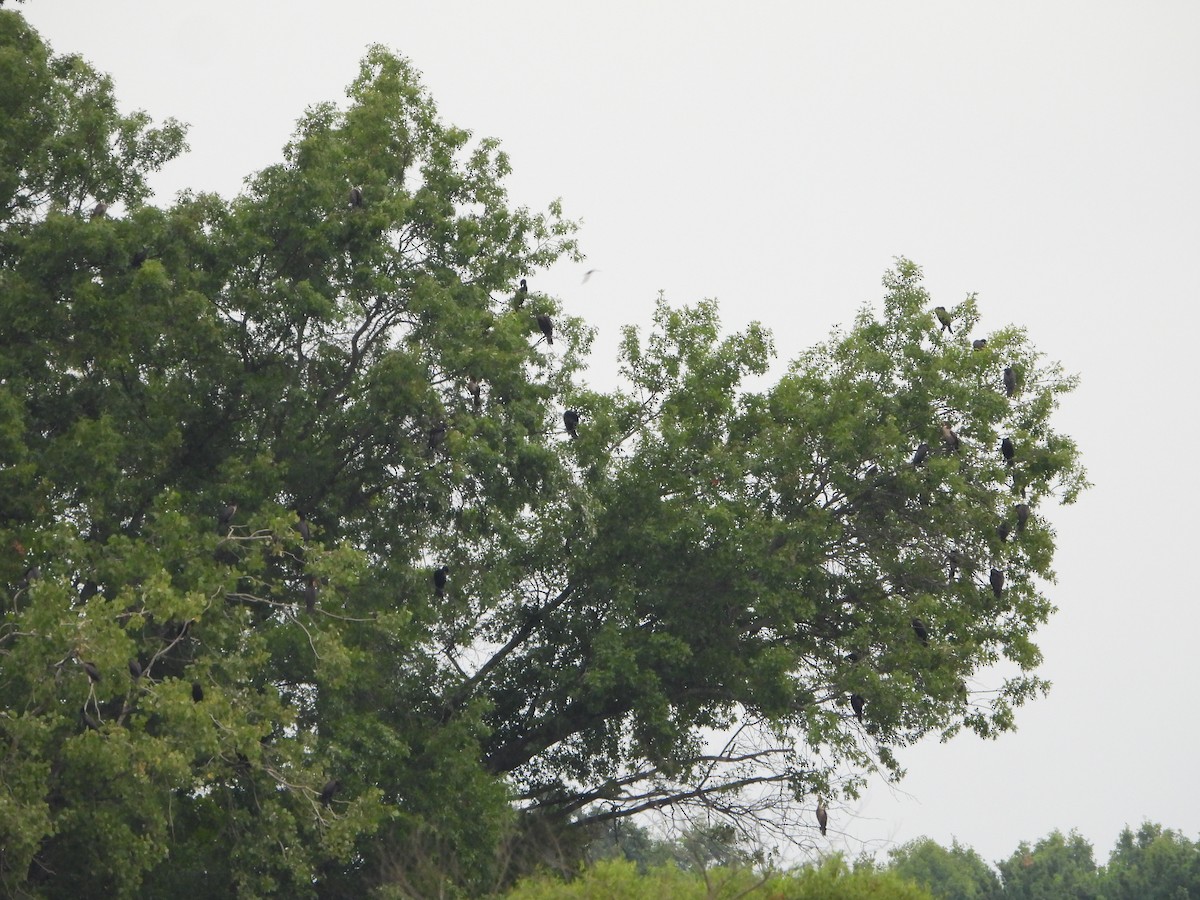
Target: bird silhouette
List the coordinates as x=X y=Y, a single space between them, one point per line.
x=943 y=317
x=521 y=295
x=1022 y=515
x=978 y=343
x=997 y=580
x=921 y=632
x=439 y=581
x=1002 y=530
x=588 y=274
x=135 y=669
x=571 y=421
x=99 y=211
x=921 y=455
x=1008 y=450
x=225 y=517
x=302 y=527
x=93 y=673
x=475 y=389
x=310 y=593
x=949 y=439
x=822 y=817
x=547 y=325
x=437 y=434
x=197 y=692
x=1010 y=381
x=356 y=197
x=332 y=786
x=857 y=702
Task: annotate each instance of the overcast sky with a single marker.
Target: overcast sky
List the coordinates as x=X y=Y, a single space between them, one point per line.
x=778 y=156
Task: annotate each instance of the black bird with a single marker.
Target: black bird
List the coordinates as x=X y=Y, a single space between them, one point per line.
x=139 y=258
x=943 y=317
x=920 y=631
x=1002 y=530
x=571 y=420
x=1022 y=515
x=1010 y=381
x=135 y=669
x=310 y=593
x=439 y=581
x=956 y=560
x=302 y=527
x=978 y=343
x=1008 y=450
x=437 y=434
x=225 y=518
x=93 y=673
x=997 y=580
x=474 y=388
x=332 y=786
x=921 y=454
x=356 y=197
x=949 y=439
x=822 y=816
x=521 y=296
x=87 y=719
x=100 y=210
x=547 y=325
x=857 y=703
x=197 y=692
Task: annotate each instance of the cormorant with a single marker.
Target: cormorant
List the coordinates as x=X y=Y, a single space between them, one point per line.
x=439 y=581
x=822 y=816
x=943 y=317
x=571 y=420
x=547 y=325
x=1010 y=381
x=857 y=702
x=921 y=632
x=1008 y=450
x=997 y=580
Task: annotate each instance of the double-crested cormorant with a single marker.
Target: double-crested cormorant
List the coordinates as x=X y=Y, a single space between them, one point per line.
x=943 y=317
x=439 y=581
x=921 y=455
x=547 y=325
x=302 y=527
x=135 y=669
x=310 y=593
x=857 y=702
x=1002 y=530
x=88 y=721
x=332 y=786
x=93 y=673
x=1008 y=450
x=437 y=434
x=571 y=421
x=997 y=580
x=225 y=517
x=521 y=295
x=475 y=389
x=1010 y=381
x=978 y=343
x=356 y=197
x=1022 y=515
x=949 y=439
x=920 y=631
x=197 y=692
x=99 y=211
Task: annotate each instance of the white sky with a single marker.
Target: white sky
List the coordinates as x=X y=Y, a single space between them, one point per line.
x=777 y=157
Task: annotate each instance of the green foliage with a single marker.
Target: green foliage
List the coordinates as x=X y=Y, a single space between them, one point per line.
x=958 y=872
x=1057 y=866
x=182 y=390
x=1153 y=864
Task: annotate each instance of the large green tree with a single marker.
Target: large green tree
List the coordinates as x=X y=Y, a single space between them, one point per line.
x=954 y=873
x=238 y=437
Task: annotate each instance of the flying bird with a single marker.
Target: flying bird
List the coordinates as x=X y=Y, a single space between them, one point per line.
x=547 y=325
x=356 y=197
x=921 y=632
x=943 y=317
x=99 y=211
x=978 y=343
x=1008 y=450
x=439 y=581
x=1022 y=515
x=588 y=274
x=571 y=420
x=197 y=692
x=332 y=786
x=997 y=580
x=225 y=517
x=822 y=816
x=474 y=388
x=1010 y=381
x=857 y=703
x=921 y=454
x=949 y=439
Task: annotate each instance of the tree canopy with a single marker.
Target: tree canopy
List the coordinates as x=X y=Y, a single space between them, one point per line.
x=310 y=588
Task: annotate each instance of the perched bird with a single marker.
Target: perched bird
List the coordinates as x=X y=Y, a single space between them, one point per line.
x=822 y=816
x=547 y=325
x=474 y=388
x=571 y=420
x=920 y=631
x=1010 y=381
x=956 y=560
x=135 y=669
x=225 y=517
x=949 y=439
x=1002 y=530
x=139 y=258
x=1022 y=515
x=93 y=673
x=943 y=317
x=197 y=692
x=437 y=434
x=310 y=593
x=1008 y=450
x=857 y=702
x=99 y=211
x=302 y=527
x=921 y=454
x=978 y=343
x=332 y=786
x=356 y=197
x=439 y=581
x=88 y=721
x=997 y=580
x=521 y=295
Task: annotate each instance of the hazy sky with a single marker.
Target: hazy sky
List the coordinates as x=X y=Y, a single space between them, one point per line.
x=1043 y=154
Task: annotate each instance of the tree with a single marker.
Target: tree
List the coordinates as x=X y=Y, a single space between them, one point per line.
x=1055 y=868
x=1154 y=864
x=238 y=438
x=958 y=872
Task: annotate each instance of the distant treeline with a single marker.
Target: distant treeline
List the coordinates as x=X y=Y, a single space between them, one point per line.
x=1152 y=863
